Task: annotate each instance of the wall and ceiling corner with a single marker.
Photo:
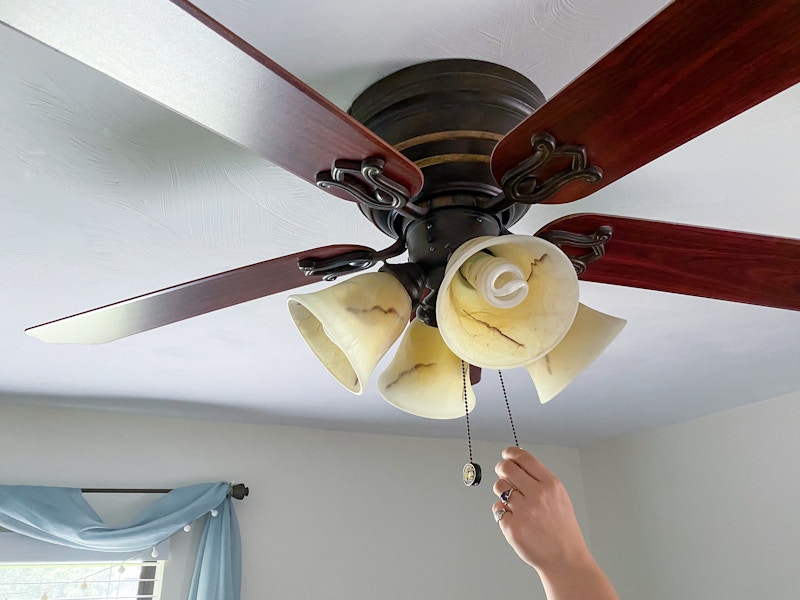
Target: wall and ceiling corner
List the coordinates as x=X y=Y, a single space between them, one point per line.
x=701 y=509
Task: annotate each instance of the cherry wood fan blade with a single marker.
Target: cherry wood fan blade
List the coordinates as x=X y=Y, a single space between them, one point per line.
x=692 y=67
x=474 y=375
x=696 y=261
x=186 y=300
x=175 y=54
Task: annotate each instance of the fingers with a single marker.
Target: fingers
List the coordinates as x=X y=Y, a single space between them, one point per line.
x=515 y=475
x=512 y=474
x=528 y=463
x=505 y=490
x=501 y=512
x=522 y=480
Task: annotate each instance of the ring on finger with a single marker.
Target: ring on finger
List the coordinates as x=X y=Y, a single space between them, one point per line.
x=504 y=497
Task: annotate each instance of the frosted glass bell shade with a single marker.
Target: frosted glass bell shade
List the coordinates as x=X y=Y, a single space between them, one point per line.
x=486 y=335
x=351 y=325
x=425 y=377
x=590 y=334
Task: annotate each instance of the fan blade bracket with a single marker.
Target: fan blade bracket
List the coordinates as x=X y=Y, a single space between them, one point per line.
x=367 y=183
x=572 y=243
x=698 y=261
x=545 y=171
x=329 y=268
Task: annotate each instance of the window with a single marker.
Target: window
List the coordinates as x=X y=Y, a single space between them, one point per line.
x=34 y=570
x=95 y=581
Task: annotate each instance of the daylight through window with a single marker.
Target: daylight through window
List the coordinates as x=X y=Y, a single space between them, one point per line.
x=88 y=581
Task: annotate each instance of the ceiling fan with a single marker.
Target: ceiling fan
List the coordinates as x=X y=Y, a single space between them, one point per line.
x=451 y=154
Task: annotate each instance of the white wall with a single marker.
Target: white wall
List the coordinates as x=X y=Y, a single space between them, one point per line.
x=701 y=510
x=330 y=514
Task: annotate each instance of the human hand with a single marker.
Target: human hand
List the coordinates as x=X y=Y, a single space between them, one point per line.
x=539 y=522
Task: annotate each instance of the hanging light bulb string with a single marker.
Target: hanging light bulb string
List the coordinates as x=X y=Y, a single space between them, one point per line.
x=508 y=408
x=84 y=585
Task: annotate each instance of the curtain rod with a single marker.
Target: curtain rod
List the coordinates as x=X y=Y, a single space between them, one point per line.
x=238 y=491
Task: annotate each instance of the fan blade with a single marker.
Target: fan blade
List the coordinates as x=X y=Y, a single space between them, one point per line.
x=186 y=300
x=696 y=261
x=173 y=53
x=692 y=67
x=474 y=375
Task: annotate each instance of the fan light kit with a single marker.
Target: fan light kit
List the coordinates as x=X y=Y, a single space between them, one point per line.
x=444 y=158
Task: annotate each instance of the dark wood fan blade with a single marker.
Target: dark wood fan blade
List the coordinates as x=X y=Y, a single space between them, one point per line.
x=186 y=300
x=474 y=375
x=175 y=54
x=696 y=261
x=695 y=65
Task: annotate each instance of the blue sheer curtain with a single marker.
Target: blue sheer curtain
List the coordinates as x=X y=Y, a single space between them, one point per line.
x=62 y=516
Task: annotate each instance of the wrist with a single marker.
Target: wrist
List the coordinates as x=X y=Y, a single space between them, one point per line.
x=578 y=578
x=568 y=563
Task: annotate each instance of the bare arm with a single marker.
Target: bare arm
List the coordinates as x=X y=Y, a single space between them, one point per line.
x=540 y=525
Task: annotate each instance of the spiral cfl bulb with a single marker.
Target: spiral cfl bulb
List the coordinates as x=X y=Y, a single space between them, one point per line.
x=499 y=281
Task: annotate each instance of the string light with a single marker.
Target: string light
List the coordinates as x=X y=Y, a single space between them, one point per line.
x=154 y=553
x=214 y=512
x=187 y=528
x=84 y=584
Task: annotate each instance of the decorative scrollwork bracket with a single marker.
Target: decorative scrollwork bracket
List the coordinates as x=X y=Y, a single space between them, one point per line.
x=521 y=184
x=349 y=262
x=595 y=242
x=366 y=182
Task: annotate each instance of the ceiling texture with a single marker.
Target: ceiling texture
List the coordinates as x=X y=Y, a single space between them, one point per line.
x=106 y=195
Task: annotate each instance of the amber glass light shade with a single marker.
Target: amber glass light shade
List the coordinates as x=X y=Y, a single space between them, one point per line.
x=351 y=325
x=590 y=334
x=486 y=335
x=425 y=377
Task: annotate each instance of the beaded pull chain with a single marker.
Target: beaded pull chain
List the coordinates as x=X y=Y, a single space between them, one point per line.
x=471 y=474
x=508 y=408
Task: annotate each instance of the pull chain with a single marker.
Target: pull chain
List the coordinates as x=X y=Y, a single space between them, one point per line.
x=466 y=406
x=472 y=471
x=508 y=408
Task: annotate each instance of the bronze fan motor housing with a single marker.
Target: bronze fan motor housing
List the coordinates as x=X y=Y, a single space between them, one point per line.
x=447 y=116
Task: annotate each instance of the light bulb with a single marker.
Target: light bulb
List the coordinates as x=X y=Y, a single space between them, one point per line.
x=214 y=512
x=187 y=528
x=499 y=281
x=154 y=553
x=121 y=569
x=84 y=585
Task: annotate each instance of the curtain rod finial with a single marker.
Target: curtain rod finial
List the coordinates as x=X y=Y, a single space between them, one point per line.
x=239 y=491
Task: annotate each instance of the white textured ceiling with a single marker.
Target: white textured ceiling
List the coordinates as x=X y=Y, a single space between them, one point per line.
x=104 y=195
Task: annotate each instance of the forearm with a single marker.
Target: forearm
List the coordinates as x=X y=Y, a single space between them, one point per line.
x=581 y=580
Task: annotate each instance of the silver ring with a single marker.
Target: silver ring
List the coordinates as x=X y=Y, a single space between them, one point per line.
x=506 y=495
x=498 y=514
